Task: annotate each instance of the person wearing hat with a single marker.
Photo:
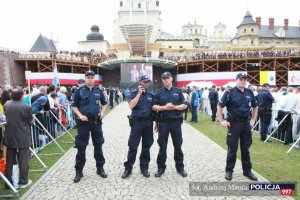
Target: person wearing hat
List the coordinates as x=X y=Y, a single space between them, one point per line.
x=239 y=101
x=140 y=102
x=265 y=100
x=169 y=102
x=89 y=105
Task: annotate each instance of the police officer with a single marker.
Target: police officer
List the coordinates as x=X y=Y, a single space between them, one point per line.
x=265 y=100
x=239 y=101
x=140 y=102
x=89 y=105
x=213 y=99
x=169 y=102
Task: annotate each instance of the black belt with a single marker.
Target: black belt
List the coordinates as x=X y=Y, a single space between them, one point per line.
x=140 y=119
x=169 y=119
x=240 y=120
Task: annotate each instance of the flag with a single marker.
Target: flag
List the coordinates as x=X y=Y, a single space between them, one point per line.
x=55 y=80
x=267 y=77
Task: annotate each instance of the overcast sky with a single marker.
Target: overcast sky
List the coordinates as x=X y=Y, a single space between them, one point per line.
x=21 y=21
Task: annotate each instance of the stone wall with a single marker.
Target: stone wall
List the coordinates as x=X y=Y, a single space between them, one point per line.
x=11 y=73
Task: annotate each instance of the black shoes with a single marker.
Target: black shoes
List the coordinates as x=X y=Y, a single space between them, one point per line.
x=251 y=176
x=228 y=176
x=182 y=172
x=78 y=176
x=126 y=173
x=159 y=172
x=102 y=173
x=145 y=173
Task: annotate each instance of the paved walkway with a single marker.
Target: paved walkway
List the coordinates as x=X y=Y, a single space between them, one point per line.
x=204 y=161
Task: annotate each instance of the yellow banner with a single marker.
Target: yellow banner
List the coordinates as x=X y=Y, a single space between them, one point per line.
x=263 y=77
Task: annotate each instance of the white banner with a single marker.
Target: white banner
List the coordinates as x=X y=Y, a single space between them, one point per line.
x=294 y=77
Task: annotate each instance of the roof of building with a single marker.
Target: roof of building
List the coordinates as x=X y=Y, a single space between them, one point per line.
x=95 y=35
x=168 y=36
x=248 y=19
x=279 y=32
x=43 y=44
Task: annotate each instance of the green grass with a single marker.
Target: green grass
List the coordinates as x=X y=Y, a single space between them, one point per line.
x=268 y=159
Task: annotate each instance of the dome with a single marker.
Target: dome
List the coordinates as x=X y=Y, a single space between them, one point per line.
x=95 y=35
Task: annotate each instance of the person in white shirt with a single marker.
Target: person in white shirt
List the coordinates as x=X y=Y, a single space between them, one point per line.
x=285 y=109
x=296 y=115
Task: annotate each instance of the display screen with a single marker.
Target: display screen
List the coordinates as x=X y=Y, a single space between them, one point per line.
x=130 y=72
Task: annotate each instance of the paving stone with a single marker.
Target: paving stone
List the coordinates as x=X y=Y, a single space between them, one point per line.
x=204 y=162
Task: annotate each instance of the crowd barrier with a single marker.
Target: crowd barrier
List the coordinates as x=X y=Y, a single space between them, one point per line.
x=45 y=131
x=284 y=126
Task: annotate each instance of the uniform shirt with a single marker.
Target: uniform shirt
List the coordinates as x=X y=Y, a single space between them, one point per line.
x=265 y=98
x=174 y=96
x=238 y=103
x=143 y=108
x=213 y=96
x=88 y=101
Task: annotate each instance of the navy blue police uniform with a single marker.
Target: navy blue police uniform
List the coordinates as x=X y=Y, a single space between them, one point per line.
x=265 y=100
x=213 y=99
x=169 y=122
x=142 y=127
x=239 y=106
x=89 y=104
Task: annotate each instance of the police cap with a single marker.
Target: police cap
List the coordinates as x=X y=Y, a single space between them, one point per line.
x=144 y=78
x=80 y=81
x=241 y=75
x=166 y=74
x=89 y=73
x=266 y=85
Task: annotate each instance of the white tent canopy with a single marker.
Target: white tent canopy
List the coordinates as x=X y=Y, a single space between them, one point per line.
x=201 y=84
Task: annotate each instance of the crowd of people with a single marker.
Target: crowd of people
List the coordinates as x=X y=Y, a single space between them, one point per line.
x=92 y=57
x=207 y=55
x=6 y=50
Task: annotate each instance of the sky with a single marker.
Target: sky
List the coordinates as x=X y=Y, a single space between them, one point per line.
x=21 y=21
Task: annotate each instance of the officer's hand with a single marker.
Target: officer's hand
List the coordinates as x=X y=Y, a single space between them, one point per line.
x=101 y=115
x=83 y=118
x=225 y=123
x=170 y=106
x=252 y=122
x=141 y=89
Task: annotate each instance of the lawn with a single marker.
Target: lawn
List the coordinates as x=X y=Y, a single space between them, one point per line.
x=268 y=159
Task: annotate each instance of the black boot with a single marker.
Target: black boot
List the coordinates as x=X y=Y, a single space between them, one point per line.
x=159 y=172
x=145 y=173
x=102 y=173
x=78 y=176
x=126 y=173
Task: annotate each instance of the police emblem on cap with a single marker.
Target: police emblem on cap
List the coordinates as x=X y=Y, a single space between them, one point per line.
x=89 y=72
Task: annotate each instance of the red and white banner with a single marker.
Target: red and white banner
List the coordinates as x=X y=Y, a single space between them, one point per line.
x=64 y=78
x=217 y=78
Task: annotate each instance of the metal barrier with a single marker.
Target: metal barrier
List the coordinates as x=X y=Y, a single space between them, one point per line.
x=283 y=126
x=45 y=126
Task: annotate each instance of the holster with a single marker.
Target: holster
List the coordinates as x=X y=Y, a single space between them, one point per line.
x=130 y=119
